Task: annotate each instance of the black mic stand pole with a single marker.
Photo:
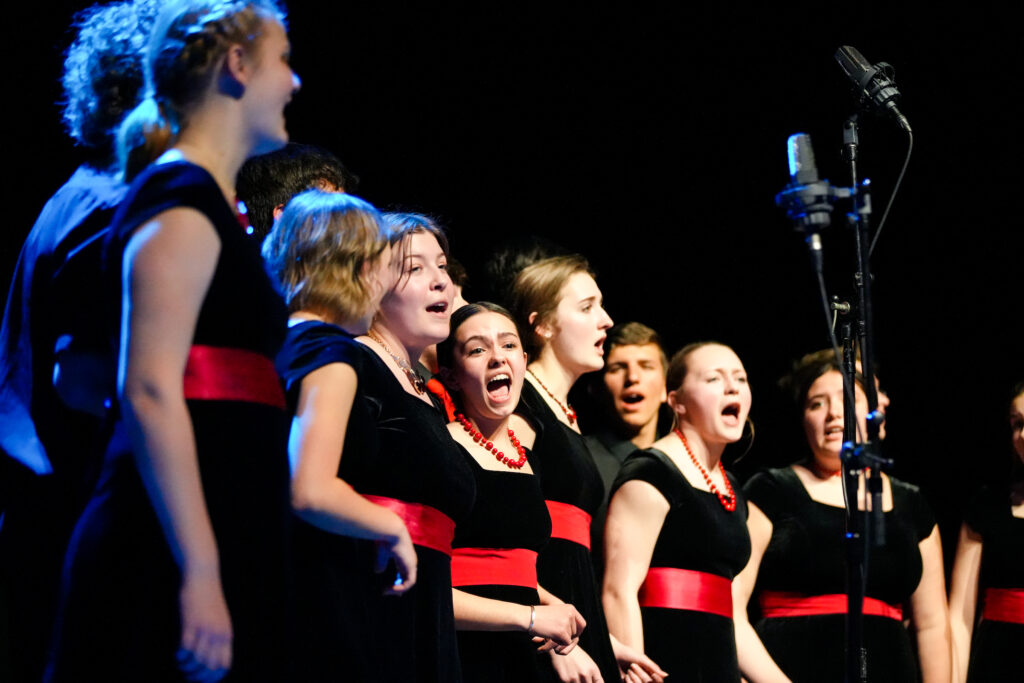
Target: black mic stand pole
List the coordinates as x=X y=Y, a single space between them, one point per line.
x=865 y=528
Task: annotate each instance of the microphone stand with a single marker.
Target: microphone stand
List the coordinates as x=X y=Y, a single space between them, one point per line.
x=865 y=528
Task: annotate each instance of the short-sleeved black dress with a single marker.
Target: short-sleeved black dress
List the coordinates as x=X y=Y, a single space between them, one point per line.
x=806 y=557
x=698 y=535
x=421 y=473
x=336 y=590
x=120 y=614
x=997 y=643
x=573 y=492
x=495 y=550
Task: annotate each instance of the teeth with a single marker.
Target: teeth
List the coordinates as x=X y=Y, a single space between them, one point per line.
x=498 y=378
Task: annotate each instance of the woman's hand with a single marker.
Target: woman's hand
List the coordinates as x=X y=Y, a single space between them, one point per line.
x=403 y=553
x=635 y=666
x=576 y=667
x=558 y=627
x=205 y=651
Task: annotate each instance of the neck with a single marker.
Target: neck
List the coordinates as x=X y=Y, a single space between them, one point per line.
x=407 y=353
x=648 y=434
x=554 y=375
x=213 y=141
x=824 y=465
x=492 y=429
x=354 y=328
x=707 y=454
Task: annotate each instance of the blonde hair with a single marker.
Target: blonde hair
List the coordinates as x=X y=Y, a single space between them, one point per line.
x=187 y=44
x=317 y=250
x=538 y=289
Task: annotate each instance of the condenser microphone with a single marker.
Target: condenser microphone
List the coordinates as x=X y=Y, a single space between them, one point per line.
x=806 y=198
x=874 y=85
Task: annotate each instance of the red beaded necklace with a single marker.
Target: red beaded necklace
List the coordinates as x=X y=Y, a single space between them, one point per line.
x=489 y=445
x=570 y=412
x=728 y=502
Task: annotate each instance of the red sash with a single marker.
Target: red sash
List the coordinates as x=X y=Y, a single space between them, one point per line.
x=492 y=566
x=1004 y=604
x=216 y=373
x=427 y=526
x=569 y=522
x=686 y=589
x=783 y=604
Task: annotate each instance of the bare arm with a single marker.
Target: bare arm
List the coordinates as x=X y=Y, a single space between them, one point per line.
x=931 y=616
x=318 y=495
x=168 y=265
x=756 y=664
x=635 y=515
x=963 y=598
x=560 y=623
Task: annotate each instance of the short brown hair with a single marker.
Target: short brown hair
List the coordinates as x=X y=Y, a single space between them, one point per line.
x=635 y=334
x=317 y=250
x=538 y=289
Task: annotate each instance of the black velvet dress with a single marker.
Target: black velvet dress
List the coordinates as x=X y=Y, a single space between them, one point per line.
x=698 y=534
x=568 y=477
x=509 y=514
x=996 y=645
x=418 y=462
x=806 y=555
x=121 y=619
x=337 y=592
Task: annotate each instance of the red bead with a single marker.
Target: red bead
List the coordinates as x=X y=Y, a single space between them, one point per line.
x=729 y=503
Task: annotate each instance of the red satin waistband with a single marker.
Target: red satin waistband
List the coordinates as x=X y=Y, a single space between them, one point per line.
x=1004 y=604
x=428 y=527
x=569 y=522
x=686 y=589
x=783 y=604
x=494 y=567
x=216 y=373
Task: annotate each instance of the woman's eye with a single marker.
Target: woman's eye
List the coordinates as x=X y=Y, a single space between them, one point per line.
x=511 y=345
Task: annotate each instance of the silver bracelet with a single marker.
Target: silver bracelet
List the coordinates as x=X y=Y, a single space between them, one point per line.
x=533 y=617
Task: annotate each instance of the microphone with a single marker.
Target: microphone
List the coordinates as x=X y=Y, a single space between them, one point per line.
x=807 y=198
x=874 y=85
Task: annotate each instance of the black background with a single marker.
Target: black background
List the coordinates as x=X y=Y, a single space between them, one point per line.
x=653 y=142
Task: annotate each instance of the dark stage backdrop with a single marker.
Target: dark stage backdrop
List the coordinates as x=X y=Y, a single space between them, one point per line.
x=653 y=142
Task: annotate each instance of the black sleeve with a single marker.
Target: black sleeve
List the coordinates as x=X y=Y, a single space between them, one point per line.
x=766 y=492
x=648 y=466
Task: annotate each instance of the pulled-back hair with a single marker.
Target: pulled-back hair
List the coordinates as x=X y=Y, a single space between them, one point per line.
x=446 y=348
x=677 y=367
x=268 y=181
x=187 y=44
x=808 y=369
x=317 y=249
x=103 y=72
x=538 y=289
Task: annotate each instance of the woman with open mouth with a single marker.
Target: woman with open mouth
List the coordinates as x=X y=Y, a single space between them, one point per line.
x=498 y=610
x=676 y=533
x=986 y=600
x=797 y=569
x=420 y=473
x=558 y=304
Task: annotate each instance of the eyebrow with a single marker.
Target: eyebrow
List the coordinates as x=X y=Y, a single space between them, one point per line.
x=501 y=335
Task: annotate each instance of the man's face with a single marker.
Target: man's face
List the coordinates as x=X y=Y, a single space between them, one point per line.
x=635 y=379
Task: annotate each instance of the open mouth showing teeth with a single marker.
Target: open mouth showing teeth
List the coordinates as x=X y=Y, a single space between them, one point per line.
x=439 y=307
x=499 y=387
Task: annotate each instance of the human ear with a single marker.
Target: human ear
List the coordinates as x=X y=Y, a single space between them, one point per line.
x=234 y=72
